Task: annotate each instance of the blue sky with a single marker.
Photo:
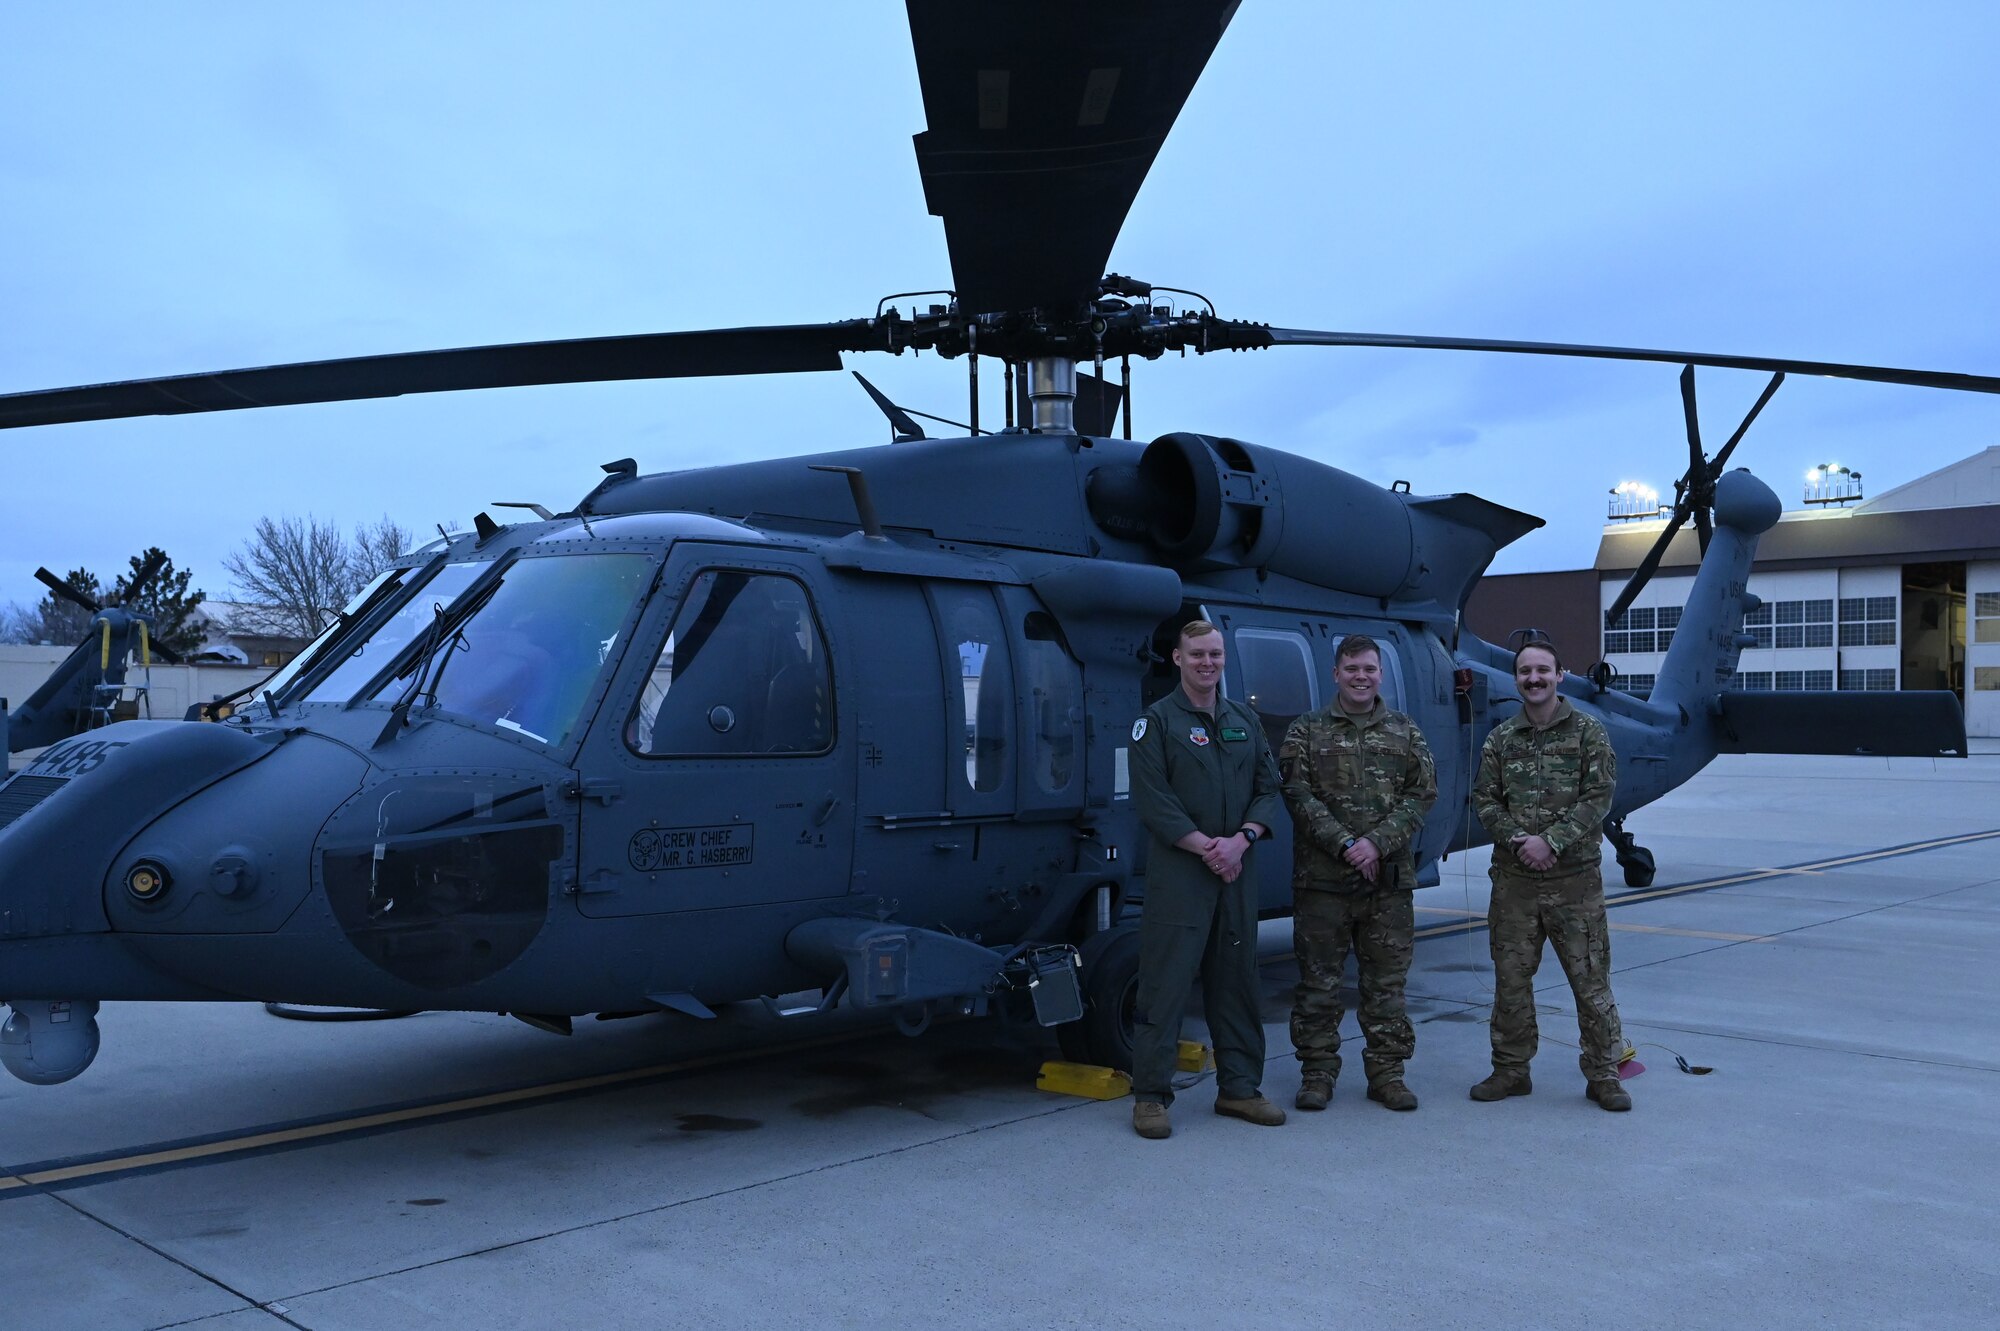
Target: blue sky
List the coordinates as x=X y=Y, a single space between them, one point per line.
x=199 y=186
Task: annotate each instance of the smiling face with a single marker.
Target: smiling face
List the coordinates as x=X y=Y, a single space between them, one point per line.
x=1359 y=677
x=1200 y=661
x=1536 y=674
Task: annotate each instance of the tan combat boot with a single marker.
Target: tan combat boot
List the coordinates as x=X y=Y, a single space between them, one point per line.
x=1315 y=1091
x=1609 y=1094
x=1149 y=1120
x=1251 y=1109
x=1503 y=1083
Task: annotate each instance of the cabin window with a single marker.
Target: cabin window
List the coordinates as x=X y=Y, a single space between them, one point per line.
x=1055 y=701
x=976 y=652
x=1275 y=670
x=743 y=671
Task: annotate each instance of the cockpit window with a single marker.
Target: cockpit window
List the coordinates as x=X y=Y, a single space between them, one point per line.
x=387 y=642
x=527 y=655
x=380 y=587
x=743 y=671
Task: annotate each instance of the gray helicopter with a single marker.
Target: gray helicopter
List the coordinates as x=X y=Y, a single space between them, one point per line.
x=853 y=723
x=85 y=689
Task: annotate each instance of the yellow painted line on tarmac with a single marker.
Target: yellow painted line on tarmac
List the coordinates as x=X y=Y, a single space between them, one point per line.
x=1466 y=922
x=1693 y=933
x=386 y=1118
x=1817 y=866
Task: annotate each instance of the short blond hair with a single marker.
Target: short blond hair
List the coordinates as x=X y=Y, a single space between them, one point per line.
x=1196 y=628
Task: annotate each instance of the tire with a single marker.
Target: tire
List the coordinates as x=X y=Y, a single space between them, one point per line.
x=1103 y=1034
x=1638 y=866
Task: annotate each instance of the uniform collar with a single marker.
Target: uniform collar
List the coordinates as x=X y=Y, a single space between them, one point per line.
x=1372 y=716
x=1182 y=701
x=1564 y=712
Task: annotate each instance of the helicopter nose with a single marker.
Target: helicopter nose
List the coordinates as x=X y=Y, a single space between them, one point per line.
x=64 y=816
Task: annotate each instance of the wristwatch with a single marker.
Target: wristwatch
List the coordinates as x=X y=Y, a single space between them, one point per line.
x=1349 y=843
x=1249 y=834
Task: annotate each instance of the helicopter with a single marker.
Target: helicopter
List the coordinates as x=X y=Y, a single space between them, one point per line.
x=85 y=689
x=851 y=723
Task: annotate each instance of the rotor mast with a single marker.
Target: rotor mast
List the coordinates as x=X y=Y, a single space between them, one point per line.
x=1052 y=394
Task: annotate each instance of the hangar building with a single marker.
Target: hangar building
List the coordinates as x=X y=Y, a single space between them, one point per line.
x=1901 y=591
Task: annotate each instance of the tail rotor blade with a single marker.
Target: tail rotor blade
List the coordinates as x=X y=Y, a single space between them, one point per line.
x=1697 y=460
x=1647 y=567
x=1722 y=458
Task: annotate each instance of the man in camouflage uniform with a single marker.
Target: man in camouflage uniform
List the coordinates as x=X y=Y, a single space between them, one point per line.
x=1205 y=787
x=1543 y=791
x=1358 y=778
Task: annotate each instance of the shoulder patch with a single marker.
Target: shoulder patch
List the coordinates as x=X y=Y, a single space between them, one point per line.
x=1139 y=730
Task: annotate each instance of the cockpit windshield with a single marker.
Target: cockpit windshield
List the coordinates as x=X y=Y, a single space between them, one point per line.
x=380 y=588
x=527 y=655
x=412 y=618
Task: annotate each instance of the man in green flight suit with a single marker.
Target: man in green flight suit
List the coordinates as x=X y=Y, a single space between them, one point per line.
x=1544 y=788
x=1205 y=787
x=1358 y=779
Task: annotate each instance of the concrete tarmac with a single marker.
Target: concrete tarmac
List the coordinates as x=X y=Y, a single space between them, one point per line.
x=1822 y=934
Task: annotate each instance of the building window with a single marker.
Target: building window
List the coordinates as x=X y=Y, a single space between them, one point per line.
x=1986 y=616
x=1986 y=679
x=1639 y=685
x=1788 y=681
x=1867 y=621
x=1875 y=681
x=1819 y=680
x=1751 y=681
x=1631 y=631
x=1668 y=619
x=1802 y=624
x=1757 y=623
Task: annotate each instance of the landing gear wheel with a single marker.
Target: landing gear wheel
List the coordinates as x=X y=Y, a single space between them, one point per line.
x=1638 y=866
x=1633 y=858
x=1103 y=1034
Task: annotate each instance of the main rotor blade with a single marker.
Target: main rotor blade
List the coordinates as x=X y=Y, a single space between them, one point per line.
x=1722 y=458
x=1043 y=118
x=1704 y=525
x=1229 y=336
x=65 y=591
x=1696 y=459
x=782 y=349
x=1647 y=567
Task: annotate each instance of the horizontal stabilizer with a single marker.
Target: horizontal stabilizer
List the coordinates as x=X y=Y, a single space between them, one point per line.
x=1882 y=725
x=1502 y=525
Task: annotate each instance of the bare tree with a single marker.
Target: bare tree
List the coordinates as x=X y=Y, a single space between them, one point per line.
x=19 y=624
x=294 y=574
x=376 y=547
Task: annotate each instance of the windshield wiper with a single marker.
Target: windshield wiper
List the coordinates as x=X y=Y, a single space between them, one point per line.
x=444 y=633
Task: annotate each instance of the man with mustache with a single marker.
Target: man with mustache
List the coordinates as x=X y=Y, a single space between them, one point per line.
x=1544 y=788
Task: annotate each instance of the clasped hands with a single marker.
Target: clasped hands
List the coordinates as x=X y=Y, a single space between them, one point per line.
x=1534 y=851
x=1223 y=855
